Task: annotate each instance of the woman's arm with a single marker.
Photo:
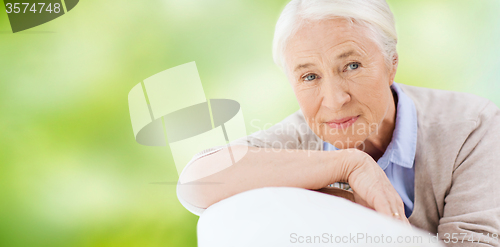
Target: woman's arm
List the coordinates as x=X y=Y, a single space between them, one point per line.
x=307 y=169
x=472 y=204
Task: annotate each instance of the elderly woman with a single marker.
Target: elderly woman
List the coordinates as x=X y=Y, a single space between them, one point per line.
x=428 y=156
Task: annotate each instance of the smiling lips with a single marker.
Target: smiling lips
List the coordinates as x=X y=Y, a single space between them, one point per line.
x=342 y=123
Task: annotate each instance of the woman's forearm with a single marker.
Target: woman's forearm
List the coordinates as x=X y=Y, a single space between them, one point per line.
x=260 y=168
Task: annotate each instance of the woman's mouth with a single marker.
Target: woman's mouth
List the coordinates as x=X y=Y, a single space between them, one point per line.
x=342 y=123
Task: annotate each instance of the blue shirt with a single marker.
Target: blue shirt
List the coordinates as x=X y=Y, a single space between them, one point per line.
x=398 y=159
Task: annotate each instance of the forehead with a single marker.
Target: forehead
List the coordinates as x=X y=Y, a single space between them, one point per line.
x=329 y=36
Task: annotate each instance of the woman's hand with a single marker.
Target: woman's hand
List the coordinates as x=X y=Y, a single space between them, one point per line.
x=371 y=186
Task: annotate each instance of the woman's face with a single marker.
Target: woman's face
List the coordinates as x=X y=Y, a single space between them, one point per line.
x=341 y=81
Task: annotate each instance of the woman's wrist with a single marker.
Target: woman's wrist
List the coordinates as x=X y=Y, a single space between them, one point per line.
x=352 y=161
x=340 y=164
x=358 y=162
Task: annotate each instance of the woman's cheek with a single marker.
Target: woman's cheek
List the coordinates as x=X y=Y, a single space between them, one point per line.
x=309 y=105
x=306 y=95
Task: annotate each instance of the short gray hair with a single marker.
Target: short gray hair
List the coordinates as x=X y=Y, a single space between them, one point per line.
x=373 y=14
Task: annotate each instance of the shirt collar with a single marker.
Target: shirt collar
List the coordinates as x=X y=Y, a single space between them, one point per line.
x=402 y=148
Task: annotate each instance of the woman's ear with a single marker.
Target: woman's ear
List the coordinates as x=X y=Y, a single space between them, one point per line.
x=393 y=67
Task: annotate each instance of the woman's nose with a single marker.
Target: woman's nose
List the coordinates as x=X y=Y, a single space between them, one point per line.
x=335 y=94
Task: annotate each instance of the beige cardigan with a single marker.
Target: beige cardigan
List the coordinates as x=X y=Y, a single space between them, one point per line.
x=457 y=162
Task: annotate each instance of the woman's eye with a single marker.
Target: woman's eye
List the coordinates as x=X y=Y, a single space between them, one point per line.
x=352 y=66
x=310 y=77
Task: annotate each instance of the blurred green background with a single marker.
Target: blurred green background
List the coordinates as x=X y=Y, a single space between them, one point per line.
x=71 y=173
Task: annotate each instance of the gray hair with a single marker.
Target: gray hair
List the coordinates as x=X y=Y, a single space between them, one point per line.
x=372 y=14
